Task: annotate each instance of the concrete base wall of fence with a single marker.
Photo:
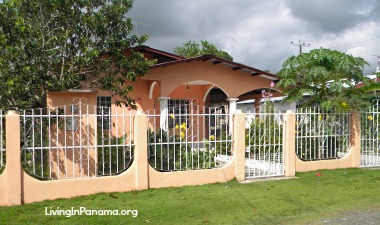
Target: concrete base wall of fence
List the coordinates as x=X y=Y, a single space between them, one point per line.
x=190 y=178
x=347 y=161
x=35 y=190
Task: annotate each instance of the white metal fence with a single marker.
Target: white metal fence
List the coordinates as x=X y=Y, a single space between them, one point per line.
x=2 y=141
x=189 y=137
x=370 y=135
x=74 y=141
x=264 y=143
x=322 y=135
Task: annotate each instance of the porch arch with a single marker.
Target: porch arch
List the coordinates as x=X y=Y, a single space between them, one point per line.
x=151 y=89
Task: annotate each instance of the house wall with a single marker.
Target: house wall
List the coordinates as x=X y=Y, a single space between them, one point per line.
x=141 y=92
x=196 y=92
x=233 y=83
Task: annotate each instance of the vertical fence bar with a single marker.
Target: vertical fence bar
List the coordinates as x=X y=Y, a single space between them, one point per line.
x=117 y=139
x=65 y=138
x=88 y=140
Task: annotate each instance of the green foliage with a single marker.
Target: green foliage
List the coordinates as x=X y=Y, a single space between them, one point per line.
x=114 y=154
x=57 y=45
x=329 y=76
x=192 y=49
x=169 y=152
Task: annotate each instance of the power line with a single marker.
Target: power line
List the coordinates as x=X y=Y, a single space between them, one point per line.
x=356 y=42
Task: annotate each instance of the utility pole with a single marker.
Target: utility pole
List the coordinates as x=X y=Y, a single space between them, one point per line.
x=138 y=26
x=378 y=64
x=300 y=45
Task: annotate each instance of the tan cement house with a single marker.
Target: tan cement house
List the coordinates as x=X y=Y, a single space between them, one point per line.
x=171 y=87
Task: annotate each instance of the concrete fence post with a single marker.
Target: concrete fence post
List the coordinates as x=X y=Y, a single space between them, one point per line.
x=141 y=151
x=355 y=137
x=13 y=165
x=289 y=142
x=239 y=144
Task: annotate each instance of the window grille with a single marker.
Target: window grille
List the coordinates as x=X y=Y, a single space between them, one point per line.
x=104 y=112
x=178 y=107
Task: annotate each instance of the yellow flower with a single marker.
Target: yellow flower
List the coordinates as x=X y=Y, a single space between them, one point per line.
x=370 y=118
x=182 y=134
x=172 y=116
x=176 y=126
x=183 y=126
x=320 y=117
x=344 y=104
x=212 y=137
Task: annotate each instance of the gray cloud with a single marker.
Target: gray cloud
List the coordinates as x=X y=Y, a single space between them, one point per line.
x=258 y=33
x=331 y=16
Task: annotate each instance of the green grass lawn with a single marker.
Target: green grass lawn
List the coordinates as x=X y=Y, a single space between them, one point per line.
x=304 y=199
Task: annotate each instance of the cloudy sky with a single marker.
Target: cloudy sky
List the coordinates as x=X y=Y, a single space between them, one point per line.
x=259 y=33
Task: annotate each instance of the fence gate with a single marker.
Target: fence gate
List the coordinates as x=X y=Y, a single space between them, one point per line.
x=264 y=144
x=370 y=143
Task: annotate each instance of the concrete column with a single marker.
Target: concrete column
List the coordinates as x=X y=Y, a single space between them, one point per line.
x=289 y=142
x=239 y=145
x=355 y=139
x=232 y=109
x=13 y=164
x=141 y=151
x=164 y=112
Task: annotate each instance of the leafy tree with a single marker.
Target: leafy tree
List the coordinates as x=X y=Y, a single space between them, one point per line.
x=192 y=49
x=329 y=76
x=55 y=45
